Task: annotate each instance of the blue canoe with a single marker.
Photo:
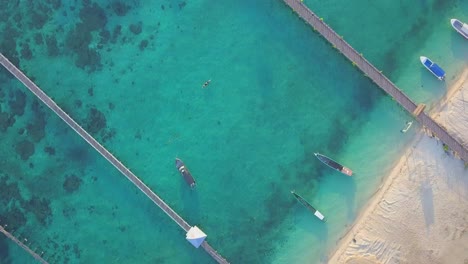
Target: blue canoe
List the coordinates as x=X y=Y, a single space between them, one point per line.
x=433 y=67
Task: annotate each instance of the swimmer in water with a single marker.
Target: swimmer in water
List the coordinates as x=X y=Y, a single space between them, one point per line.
x=206 y=83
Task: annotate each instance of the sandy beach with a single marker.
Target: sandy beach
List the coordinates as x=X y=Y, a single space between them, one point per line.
x=420 y=213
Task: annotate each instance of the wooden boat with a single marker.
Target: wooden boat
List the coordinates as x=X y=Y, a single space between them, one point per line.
x=185 y=173
x=333 y=164
x=460 y=27
x=308 y=206
x=433 y=67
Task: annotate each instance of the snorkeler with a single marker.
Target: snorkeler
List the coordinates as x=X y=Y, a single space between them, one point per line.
x=206 y=83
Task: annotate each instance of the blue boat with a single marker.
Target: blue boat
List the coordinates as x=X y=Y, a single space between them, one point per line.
x=433 y=67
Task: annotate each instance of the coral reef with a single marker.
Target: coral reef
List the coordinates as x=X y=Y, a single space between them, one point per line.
x=95 y=121
x=25 y=149
x=72 y=183
x=40 y=207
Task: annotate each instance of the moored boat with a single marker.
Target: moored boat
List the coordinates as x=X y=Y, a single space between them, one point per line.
x=308 y=206
x=460 y=27
x=185 y=173
x=333 y=164
x=433 y=67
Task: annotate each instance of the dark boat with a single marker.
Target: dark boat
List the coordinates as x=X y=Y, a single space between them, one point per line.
x=185 y=173
x=310 y=207
x=333 y=164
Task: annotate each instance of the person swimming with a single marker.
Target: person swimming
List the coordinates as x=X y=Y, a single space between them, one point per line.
x=206 y=83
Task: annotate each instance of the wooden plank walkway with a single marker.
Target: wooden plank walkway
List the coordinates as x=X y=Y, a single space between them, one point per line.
x=26 y=248
x=103 y=151
x=376 y=76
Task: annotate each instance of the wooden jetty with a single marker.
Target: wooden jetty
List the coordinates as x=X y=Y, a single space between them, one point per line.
x=104 y=152
x=21 y=244
x=377 y=77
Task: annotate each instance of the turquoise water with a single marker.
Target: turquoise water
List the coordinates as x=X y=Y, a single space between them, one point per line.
x=278 y=94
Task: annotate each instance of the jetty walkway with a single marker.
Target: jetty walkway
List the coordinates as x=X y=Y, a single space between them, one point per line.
x=104 y=152
x=377 y=77
x=21 y=244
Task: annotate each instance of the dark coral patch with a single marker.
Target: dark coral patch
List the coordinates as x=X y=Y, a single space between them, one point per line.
x=36 y=129
x=14 y=218
x=38 y=39
x=8 y=191
x=93 y=16
x=95 y=121
x=72 y=183
x=105 y=36
x=136 y=28
x=79 y=38
x=38 y=19
x=90 y=59
x=40 y=207
x=143 y=44
x=49 y=150
x=26 y=52
x=25 y=149
x=116 y=33
x=6 y=121
x=17 y=105
x=52 y=47
x=120 y=8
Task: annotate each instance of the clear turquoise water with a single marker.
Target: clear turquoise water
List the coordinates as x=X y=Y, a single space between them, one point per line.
x=278 y=94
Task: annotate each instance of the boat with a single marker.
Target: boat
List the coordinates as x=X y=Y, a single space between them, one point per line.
x=185 y=173
x=433 y=67
x=308 y=206
x=408 y=125
x=460 y=27
x=333 y=164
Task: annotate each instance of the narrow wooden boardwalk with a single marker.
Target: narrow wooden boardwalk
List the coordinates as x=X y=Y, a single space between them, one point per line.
x=26 y=248
x=104 y=152
x=375 y=75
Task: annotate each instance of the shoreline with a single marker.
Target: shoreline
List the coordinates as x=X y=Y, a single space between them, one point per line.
x=354 y=246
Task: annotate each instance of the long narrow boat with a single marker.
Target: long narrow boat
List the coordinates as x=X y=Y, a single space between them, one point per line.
x=460 y=27
x=308 y=206
x=185 y=173
x=433 y=67
x=333 y=164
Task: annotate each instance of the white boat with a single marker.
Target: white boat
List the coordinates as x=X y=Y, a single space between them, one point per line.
x=460 y=27
x=433 y=67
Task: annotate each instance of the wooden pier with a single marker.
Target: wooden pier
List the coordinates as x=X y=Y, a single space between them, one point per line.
x=104 y=152
x=377 y=77
x=21 y=244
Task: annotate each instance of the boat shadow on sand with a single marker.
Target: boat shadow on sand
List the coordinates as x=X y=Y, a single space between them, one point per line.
x=459 y=47
x=311 y=225
x=345 y=187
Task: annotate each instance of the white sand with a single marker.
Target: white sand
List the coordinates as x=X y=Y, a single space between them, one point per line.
x=420 y=213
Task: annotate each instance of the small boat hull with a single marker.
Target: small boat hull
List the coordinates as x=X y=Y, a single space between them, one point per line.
x=435 y=69
x=308 y=206
x=333 y=164
x=185 y=173
x=460 y=27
